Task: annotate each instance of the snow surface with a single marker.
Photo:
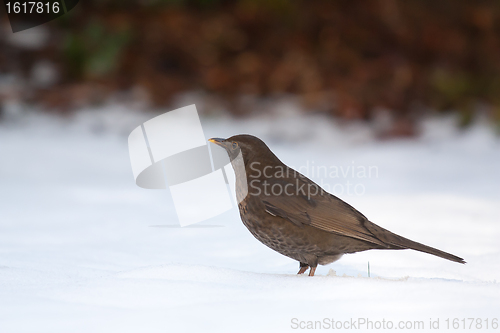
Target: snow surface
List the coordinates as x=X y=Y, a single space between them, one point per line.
x=82 y=249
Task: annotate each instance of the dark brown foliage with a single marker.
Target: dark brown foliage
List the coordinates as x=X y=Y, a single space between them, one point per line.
x=346 y=58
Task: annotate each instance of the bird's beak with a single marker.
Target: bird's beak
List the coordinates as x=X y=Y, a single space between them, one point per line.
x=217 y=141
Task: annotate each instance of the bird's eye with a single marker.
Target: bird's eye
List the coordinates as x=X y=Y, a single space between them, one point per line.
x=235 y=145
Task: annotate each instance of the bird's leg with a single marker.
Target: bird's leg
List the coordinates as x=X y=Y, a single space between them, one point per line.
x=303 y=268
x=311 y=272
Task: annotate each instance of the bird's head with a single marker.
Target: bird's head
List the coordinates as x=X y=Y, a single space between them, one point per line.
x=251 y=147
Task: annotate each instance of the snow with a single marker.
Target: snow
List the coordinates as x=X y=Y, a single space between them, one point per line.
x=82 y=249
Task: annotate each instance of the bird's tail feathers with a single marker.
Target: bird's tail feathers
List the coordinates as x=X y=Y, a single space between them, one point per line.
x=398 y=242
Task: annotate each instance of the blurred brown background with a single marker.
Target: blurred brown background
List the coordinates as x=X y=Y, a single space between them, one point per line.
x=349 y=59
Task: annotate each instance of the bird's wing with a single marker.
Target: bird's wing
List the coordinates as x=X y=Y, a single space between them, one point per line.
x=321 y=210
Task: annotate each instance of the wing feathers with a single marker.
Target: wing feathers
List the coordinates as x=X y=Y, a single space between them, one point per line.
x=331 y=215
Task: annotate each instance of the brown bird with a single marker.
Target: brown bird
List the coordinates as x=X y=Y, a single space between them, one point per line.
x=294 y=216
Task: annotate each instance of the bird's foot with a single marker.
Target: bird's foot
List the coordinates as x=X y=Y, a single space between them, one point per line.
x=302 y=269
x=311 y=272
